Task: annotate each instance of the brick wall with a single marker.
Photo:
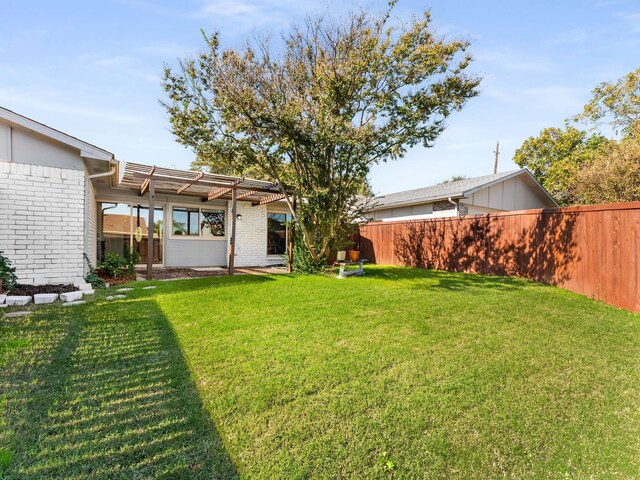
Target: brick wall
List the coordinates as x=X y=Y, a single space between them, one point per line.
x=42 y=222
x=251 y=235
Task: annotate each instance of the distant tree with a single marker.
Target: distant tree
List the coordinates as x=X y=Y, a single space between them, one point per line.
x=340 y=98
x=614 y=174
x=454 y=178
x=556 y=155
x=617 y=104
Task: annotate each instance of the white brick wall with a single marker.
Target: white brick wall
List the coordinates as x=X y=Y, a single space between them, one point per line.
x=42 y=222
x=251 y=235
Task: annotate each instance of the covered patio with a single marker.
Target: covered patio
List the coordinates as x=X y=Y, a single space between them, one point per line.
x=148 y=180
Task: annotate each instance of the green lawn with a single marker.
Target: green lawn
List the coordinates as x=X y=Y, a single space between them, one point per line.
x=399 y=374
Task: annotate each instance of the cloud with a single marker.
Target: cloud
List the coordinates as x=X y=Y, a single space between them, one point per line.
x=574 y=36
x=610 y=3
x=633 y=20
x=164 y=50
x=123 y=64
x=512 y=61
x=556 y=96
x=42 y=101
x=248 y=14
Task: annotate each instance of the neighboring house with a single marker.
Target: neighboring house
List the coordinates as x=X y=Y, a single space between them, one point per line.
x=500 y=192
x=61 y=197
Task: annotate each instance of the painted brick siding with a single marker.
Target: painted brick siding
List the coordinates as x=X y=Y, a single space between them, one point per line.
x=251 y=235
x=42 y=222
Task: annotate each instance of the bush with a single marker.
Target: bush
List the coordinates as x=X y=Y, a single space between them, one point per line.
x=302 y=261
x=131 y=258
x=92 y=277
x=116 y=266
x=113 y=265
x=7 y=273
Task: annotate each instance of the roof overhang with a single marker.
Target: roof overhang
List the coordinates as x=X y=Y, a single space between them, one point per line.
x=416 y=202
x=87 y=150
x=464 y=194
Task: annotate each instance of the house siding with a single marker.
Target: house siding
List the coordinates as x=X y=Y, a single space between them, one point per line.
x=91 y=225
x=42 y=221
x=251 y=235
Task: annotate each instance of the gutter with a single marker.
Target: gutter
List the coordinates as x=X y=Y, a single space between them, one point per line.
x=87 y=179
x=455 y=204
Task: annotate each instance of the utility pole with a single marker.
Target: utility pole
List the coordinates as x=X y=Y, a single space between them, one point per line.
x=497 y=152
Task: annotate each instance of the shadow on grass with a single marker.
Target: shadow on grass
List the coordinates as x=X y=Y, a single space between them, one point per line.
x=202 y=283
x=105 y=393
x=434 y=279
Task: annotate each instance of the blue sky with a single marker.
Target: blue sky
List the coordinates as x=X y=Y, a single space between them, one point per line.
x=92 y=69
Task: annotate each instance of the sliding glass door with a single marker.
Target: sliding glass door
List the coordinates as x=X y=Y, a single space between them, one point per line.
x=124 y=226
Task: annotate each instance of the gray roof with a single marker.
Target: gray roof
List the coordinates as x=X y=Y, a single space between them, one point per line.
x=443 y=191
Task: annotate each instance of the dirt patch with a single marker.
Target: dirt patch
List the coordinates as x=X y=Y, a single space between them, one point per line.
x=115 y=281
x=36 y=289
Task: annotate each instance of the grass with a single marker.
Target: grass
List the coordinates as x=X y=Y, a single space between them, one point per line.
x=400 y=374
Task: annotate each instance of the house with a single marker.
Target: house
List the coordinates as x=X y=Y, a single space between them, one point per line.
x=500 y=192
x=62 y=198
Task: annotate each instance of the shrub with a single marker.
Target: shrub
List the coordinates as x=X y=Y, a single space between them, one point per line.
x=131 y=258
x=303 y=262
x=116 y=266
x=92 y=277
x=113 y=265
x=7 y=273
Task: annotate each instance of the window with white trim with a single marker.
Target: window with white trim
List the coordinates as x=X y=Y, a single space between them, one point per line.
x=198 y=222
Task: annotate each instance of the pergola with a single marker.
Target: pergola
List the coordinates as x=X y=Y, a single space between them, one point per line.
x=147 y=179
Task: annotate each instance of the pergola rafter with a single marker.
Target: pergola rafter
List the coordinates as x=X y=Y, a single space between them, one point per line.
x=217 y=194
x=187 y=185
x=269 y=199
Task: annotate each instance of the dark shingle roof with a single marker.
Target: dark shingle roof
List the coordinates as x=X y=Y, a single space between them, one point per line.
x=439 y=192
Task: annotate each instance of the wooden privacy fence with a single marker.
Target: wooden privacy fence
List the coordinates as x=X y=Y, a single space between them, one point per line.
x=591 y=250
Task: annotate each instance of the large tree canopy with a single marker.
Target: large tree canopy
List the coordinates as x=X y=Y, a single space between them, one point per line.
x=617 y=104
x=555 y=156
x=315 y=113
x=578 y=166
x=614 y=174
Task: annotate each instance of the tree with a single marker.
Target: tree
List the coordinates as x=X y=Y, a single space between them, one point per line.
x=614 y=175
x=454 y=178
x=615 y=103
x=337 y=99
x=556 y=155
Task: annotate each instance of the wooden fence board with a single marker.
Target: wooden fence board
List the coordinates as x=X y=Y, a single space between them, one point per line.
x=592 y=250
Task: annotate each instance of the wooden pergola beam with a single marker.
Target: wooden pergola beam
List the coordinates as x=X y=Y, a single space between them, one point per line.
x=145 y=184
x=217 y=194
x=152 y=197
x=187 y=185
x=232 y=239
x=233 y=185
x=268 y=199
x=253 y=192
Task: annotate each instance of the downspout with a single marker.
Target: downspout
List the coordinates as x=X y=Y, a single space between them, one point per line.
x=455 y=204
x=87 y=179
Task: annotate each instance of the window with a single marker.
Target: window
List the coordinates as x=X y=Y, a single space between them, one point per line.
x=185 y=221
x=195 y=222
x=277 y=233
x=212 y=223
